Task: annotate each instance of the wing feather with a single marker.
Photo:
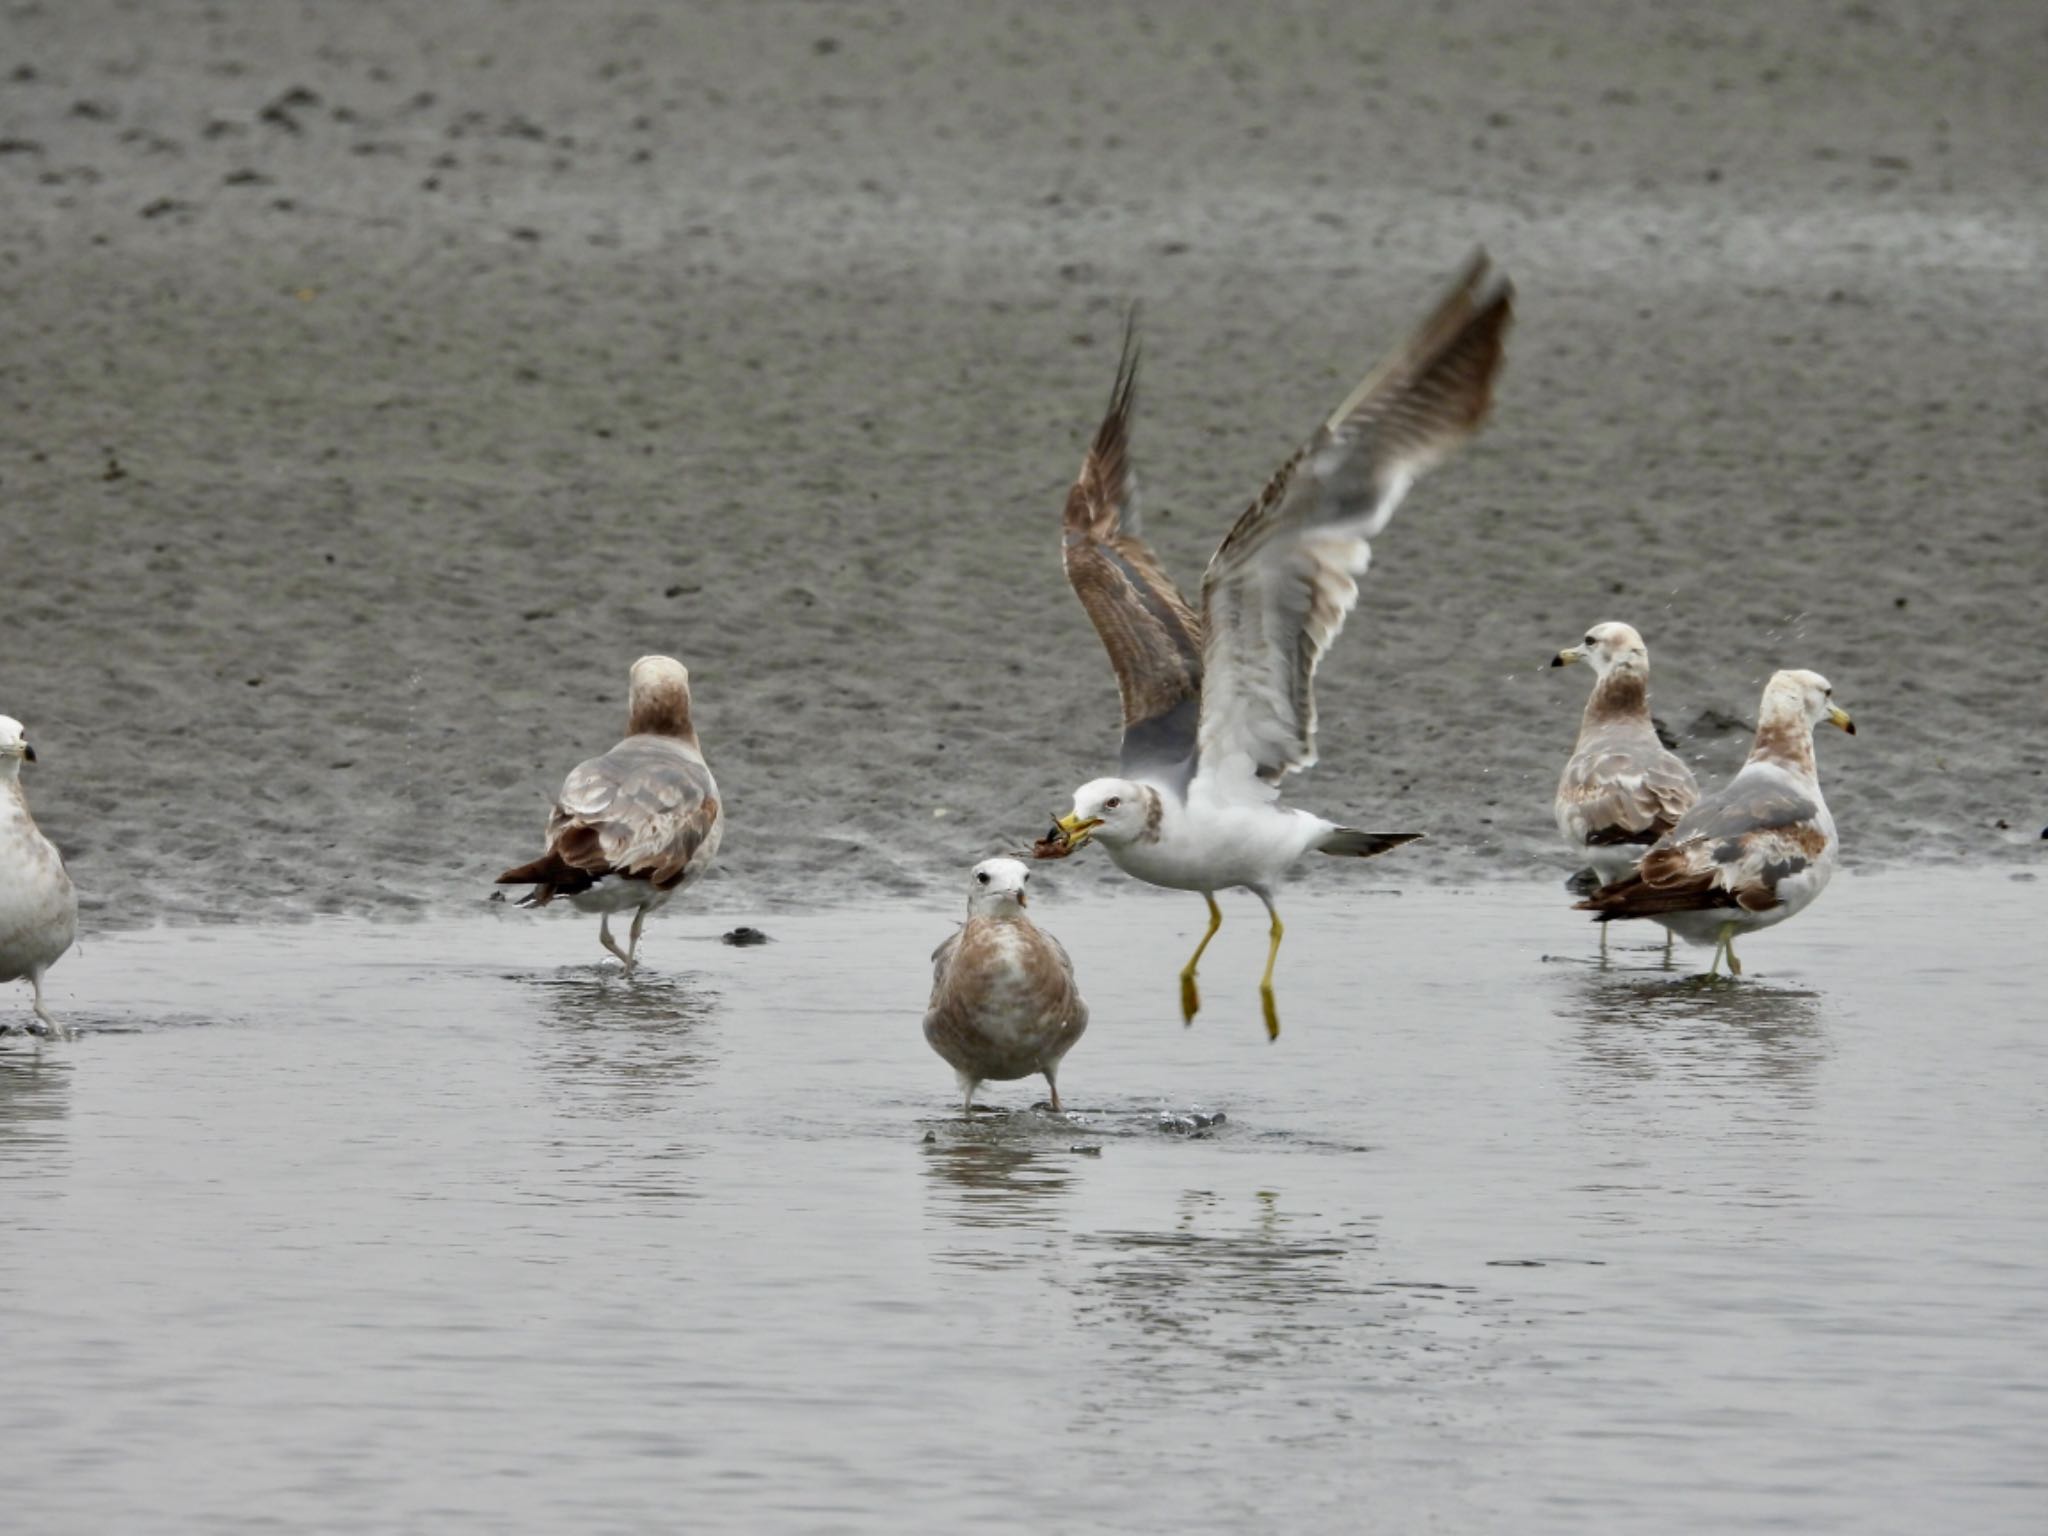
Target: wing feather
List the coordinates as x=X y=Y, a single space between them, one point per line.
x=1151 y=634
x=1280 y=587
x=648 y=808
x=1730 y=850
x=1620 y=788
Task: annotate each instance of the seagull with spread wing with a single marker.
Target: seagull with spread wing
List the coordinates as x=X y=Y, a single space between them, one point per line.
x=1219 y=708
x=637 y=824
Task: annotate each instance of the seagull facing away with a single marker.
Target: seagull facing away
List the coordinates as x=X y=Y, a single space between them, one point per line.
x=1622 y=789
x=633 y=827
x=1756 y=852
x=38 y=907
x=1218 y=709
x=1004 y=1004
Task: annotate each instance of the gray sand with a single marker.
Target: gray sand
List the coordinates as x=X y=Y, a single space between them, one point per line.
x=376 y=382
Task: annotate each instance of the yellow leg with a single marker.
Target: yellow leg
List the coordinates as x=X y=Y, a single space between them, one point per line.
x=1274 y=935
x=1190 y=999
x=1724 y=944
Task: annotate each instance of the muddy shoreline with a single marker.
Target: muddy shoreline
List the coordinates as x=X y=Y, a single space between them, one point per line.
x=377 y=386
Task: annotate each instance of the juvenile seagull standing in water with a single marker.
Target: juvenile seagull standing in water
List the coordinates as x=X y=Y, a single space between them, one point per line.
x=1622 y=789
x=38 y=908
x=633 y=827
x=1004 y=1004
x=1755 y=853
x=1218 y=709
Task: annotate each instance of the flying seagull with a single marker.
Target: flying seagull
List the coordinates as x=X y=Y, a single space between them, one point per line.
x=1219 y=708
x=1004 y=1004
x=38 y=907
x=633 y=827
x=1753 y=854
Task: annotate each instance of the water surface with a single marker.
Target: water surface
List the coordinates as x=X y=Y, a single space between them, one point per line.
x=445 y=1226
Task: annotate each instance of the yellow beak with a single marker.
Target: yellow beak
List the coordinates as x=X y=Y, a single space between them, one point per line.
x=1075 y=830
x=1566 y=657
x=1840 y=716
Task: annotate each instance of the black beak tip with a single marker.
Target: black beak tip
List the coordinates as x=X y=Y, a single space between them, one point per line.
x=1557 y=661
x=28 y=752
x=1850 y=727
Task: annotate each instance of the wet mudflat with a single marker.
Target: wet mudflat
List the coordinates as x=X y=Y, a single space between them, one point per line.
x=443 y=1225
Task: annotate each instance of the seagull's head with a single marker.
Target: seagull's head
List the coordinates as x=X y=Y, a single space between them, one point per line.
x=1607 y=648
x=14 y=747
x=1116 y=811
x=1804 y=696
x=997 y=889
x=659 y=698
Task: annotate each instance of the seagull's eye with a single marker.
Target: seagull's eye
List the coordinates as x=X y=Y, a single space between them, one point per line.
x=982 y=878
x=1591 y=641
x=1112 y=803
x=1027 y=876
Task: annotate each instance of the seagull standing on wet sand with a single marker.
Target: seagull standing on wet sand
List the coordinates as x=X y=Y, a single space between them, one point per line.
x=38 y=907
x=1004 y=1004
x=1623 y=788
x=1219 y=709
x=633 y=827
x=1756 y=852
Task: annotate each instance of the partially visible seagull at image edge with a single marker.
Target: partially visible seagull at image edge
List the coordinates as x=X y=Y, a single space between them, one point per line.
x=38 y=907
x=636 y=825
x=1218 y=709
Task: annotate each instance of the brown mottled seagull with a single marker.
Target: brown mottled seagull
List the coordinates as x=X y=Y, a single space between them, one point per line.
x=1219 y=708
x=1756 y=852
x=1622 y=788
x=633 y=827
x=38 y=907
x=1004 y=1004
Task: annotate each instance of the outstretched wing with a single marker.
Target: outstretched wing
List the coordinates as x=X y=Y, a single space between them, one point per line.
x=1730 y=850
x=1153 y=638
x=1281 y=585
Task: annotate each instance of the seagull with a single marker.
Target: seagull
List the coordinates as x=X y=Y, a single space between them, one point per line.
x=1004 y=1004
x=1219 y=708
x=1622 y=789
x=633 y=827
x=1756 y=852
x=38 y=907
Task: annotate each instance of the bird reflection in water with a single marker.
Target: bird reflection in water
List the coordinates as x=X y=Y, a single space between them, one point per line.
x=35 y=1097
x=1699 y=1029
x=1222 y=1297
x=619 y=1046
x=1002 y=1171
x=1206 y=1263
x=1693 y=1089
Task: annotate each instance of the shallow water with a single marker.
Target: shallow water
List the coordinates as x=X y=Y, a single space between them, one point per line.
x=446 y=1227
